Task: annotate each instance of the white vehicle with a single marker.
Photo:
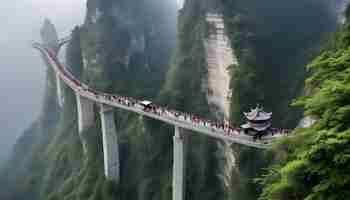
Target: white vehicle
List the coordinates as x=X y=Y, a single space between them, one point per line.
x=146 y=104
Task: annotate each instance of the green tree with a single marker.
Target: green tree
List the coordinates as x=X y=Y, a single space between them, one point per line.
x=316 y=162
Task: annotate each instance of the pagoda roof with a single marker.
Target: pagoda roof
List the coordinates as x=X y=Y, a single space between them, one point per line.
x=258 y=114
x=255 y=127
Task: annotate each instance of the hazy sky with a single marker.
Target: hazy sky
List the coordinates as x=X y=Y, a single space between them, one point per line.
x=22 y=72
x=180 y=3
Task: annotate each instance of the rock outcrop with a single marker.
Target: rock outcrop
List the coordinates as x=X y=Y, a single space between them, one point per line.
x=340 y=9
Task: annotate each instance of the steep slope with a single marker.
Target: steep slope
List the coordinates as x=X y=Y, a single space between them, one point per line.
x=271 y=45
x=112 y=54
x=220 y=57
x=315 y=164
x=186 y=89
x=124 y=47
x=340 y=8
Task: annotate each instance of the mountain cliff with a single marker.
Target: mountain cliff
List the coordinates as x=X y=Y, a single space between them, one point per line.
x=269 y=46
x=113 y=51
x=315 y=163
x=226 y=57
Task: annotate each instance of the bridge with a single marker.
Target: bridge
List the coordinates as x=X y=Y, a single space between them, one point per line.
x=87 y=97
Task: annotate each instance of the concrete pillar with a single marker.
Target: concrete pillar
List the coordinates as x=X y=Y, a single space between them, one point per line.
x=110 y=144
x=60 y=97
x=179 y=165
x=86 y=117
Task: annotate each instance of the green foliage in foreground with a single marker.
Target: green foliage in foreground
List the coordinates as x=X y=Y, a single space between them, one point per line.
x=316 y=162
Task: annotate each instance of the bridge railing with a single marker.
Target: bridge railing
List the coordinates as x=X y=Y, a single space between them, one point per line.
x=169 y=116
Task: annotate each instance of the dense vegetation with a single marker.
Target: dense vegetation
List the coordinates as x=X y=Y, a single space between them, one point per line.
x=48 y=162
x=273 y=45
x=315 y=164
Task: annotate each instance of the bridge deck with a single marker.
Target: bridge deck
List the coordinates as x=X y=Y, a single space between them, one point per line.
x=167 y=117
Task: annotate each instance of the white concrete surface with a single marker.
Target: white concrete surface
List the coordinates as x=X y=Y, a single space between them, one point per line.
x=179 y=165
x=86 y=117
x=110 y=144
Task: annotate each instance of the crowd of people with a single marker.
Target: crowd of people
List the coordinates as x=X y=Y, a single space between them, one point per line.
x=223 y=127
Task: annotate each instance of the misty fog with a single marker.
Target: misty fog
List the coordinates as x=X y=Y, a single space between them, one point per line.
x=22 y=72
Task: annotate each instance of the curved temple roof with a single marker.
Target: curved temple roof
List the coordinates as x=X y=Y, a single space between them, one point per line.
x=258 y=114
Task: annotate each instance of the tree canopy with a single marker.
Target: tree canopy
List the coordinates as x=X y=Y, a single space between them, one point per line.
x=316 y=164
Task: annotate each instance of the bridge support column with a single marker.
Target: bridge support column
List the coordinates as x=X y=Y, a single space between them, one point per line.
x=60 y=97
x=179 y=165
x=110 y=144
x=86 y=117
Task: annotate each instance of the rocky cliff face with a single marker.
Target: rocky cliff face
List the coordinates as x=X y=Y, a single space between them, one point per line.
x=258 y=55
x=253 y=49
x=340 y=7
x=220 y=57
x=123 y=53
x=123 y=38
x=48 y=33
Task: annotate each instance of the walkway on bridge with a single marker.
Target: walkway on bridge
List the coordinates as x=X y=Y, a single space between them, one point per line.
x=220 y=130
x=87 y=97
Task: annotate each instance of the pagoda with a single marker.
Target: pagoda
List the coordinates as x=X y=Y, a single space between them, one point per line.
x=258 y=122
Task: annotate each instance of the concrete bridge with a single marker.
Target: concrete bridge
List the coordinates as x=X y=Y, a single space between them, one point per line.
x=88 y=97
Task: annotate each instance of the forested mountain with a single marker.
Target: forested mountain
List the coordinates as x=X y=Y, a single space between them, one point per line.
x=272 y=45
x=148 y=50
x=315 y=164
